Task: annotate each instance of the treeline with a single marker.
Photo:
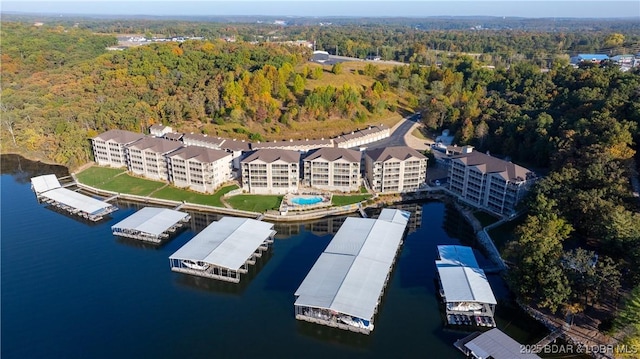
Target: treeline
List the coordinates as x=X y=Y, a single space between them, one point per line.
x=250 y=90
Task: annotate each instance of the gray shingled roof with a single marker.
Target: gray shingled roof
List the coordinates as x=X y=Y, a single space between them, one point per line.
x=235 y=145
x=201 y=154
x=488 y=164
x=333 y=153
x=397 y=152
x=120 y=136
x=297 y=143
x=272 y=155
x=216 y=141
x=159 y=145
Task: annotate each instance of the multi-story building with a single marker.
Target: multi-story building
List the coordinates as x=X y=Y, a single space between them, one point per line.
x=271 y=171
x=198 y=168
x=146 y=157
x=395 y=169
x=488 y=182
x=333 y=169
x=159 y=130
x=109 y=147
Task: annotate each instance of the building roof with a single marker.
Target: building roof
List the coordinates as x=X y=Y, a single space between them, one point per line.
x=598 y=57
x=173 y=136
x=269 y=155
x=151 y=220
x=489 y=164
x=227 y=243
x=464 y=284
x=398 y=152
x=297 y=143
x=349 y=276
x=189 y=138
x=457 y=256
x=497 y=345
x=155 y=144
x=119 y=136
x=200 y=154
x=78 y=201
x=235 y=145
x=44 y=183
x=335 y=153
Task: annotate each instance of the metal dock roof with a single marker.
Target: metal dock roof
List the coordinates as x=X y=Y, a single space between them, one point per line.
x=350 y=275
x=78 y=201
x=227 y=243
x=465 y=284
x=44 y=183
x=151 y=220
x=497 y=345
x=457 y=256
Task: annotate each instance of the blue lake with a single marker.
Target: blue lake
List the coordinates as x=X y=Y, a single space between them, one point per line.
x=70 y=289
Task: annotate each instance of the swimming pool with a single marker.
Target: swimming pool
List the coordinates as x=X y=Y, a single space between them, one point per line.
x=303 y=201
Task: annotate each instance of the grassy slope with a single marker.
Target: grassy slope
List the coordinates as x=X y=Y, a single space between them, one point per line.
x=178 y=194
x=330 y=128
x=255 y=203
x=344 y=200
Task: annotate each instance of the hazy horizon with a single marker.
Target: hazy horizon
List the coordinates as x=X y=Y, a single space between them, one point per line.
x=332 y=8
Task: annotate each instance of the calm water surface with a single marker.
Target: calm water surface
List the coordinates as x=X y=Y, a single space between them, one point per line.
x=71 y=289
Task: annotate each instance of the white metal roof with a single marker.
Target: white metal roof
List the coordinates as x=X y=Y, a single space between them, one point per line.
x=498 y=345
x=76 y=200
x=457 y=255
x=44 y=183
x=465 y=284
x=350 y=275
x=395 y=216
x=151 y=220
x=226 y=243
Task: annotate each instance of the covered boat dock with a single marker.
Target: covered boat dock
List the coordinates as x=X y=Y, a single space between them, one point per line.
x=345 y=286
x=49 y=191
x=465 y=289
x=493 y=344
x=151 y=224
x=224 y=249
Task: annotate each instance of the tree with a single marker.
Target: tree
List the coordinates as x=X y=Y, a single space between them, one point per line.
x=298 y=84
x=337 y=68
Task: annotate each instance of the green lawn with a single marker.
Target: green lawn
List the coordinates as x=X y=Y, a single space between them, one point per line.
x=105 y=178
x=177 y=194
x=345 y=200
x=485 y=218
x=95 y=176
x=254 y=202
x=418 y=133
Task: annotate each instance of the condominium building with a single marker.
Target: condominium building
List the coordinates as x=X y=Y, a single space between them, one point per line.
x=271 y=171
x=395 y=169
x=109 y=147
x=198 y=168
x=146 y=157
x=159 y=130
x=333 y=169
x=488 y=182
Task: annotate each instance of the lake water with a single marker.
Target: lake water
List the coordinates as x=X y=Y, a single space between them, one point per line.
x=70 y=289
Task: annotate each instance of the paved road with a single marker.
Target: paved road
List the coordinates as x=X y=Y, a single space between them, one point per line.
x=398 y=134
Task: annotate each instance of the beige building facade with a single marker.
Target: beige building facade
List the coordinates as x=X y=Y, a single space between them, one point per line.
x=199 y=169
x=395 y=169
x=271 y=171
x=333 y=169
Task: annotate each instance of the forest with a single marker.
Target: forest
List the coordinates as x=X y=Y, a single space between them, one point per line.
x=510 y=93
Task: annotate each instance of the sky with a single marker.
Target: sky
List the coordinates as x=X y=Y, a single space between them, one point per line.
x=410 y=8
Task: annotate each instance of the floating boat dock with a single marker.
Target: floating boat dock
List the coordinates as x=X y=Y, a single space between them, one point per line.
x=493 y=344
x=151 y=224
x=465 y=290
x=224 y=249
x=48 y=190
x=345 y=286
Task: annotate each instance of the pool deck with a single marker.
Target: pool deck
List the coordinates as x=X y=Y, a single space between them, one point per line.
x=288 y=204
